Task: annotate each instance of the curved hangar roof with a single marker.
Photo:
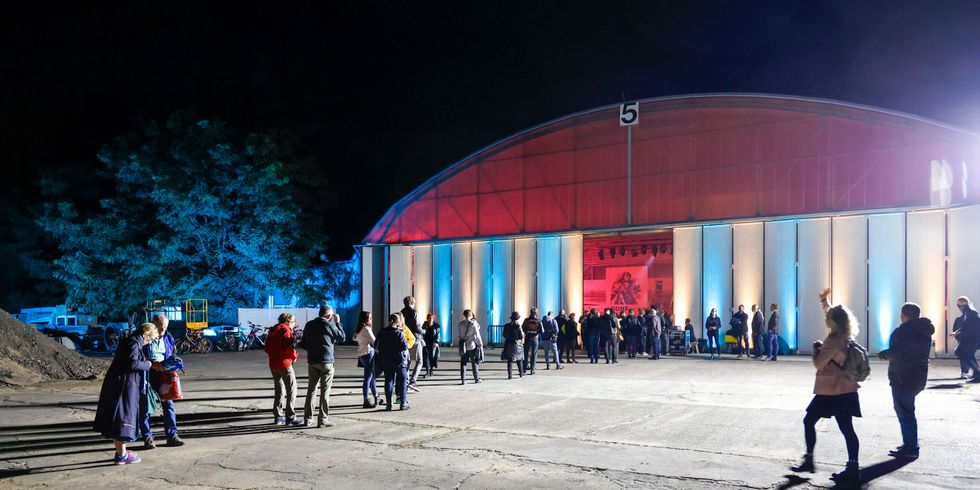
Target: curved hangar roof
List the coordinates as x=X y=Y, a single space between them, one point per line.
x=694 y=158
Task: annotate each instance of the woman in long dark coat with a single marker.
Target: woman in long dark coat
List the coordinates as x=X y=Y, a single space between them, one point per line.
x=123 y=390
x=513 y=346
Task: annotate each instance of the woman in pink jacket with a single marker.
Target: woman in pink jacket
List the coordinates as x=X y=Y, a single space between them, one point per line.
x=835 y=395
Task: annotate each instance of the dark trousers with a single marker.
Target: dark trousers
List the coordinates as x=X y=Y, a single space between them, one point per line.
x=712 y=343
x=904 y=401
x=510 y=368
x=469 y=357
x=429 y=362
x=642 y=342
x=656 y=350
x=773 y=346
x=757 y=340
x=631 y=346
x=169 y=420
x=594 y=346
x=395 y=374
x=531 y=353
x=967 y=353
x=742 y=343
x=569 y=349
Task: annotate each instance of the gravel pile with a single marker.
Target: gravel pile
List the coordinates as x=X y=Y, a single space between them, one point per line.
x=27 y=356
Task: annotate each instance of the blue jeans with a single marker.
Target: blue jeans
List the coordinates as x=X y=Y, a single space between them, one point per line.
x=370 y=376
x=773 y=346
x=713 y=338
x=531 y=353
x=169 y=420
x=904 y=401
x=594 y=346
x=550 y=348
x=656 y=350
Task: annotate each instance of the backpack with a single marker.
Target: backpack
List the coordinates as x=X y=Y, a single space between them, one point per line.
x=856 y=366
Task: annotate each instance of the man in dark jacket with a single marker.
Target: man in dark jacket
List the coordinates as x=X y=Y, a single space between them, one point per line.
x=531 y=328
x=908 y=369
x=320 y=335
x=758 y=331
x=415 y=356
x=393 y=360
x=773 y=332
x=966 y=329
x=607 y=328
x=591 y=332
x=740 y=325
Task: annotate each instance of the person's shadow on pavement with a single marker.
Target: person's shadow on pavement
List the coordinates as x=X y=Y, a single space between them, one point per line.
x=878 y=470
x=792 y=481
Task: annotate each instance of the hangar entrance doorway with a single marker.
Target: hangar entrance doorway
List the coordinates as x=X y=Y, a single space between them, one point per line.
x=628 y=271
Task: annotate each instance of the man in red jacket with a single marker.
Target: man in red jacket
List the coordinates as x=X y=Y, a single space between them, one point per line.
x=280 y=346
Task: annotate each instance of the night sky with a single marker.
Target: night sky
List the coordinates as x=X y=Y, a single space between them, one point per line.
x=386 y=95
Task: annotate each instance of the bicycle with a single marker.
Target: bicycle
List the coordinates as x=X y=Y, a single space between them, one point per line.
x=193 y=342
x=229 y=339
x=255 y=337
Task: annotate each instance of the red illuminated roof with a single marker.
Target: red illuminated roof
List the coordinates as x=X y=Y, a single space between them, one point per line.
x=695 y=158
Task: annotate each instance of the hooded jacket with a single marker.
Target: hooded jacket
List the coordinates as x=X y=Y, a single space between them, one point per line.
x=968 y=324
x=908 y=354
x=392 y=347
x=279 y=346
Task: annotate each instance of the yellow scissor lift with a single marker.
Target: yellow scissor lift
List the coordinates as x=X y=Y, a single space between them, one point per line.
x=195 y=316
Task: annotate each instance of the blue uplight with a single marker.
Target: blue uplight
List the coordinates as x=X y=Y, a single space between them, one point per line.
x=549 y=275
x=442 y=259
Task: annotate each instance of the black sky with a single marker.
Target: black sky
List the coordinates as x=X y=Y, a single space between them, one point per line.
x=386 y=94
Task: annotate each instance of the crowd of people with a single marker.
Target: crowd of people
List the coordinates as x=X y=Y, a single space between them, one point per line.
x=404 y=351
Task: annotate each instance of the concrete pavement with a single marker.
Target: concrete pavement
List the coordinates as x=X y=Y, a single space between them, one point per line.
x=673 y=423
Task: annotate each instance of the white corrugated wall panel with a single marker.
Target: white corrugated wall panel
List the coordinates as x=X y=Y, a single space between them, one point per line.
x=748 y=251
x=781 y=276
x=367 y=279
x=462 y=290
x=502 y=294
x=399 y=276
x=422 y=272
x=814 y=276
x=849 y=260
x=572 y=247
x=687 y=276
x=525 y=267
x=926 y=280
x=964 y=263
x=717 y=263
x=482 y=271
x=886 y=277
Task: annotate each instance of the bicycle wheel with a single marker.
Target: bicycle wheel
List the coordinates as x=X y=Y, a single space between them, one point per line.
x=181 y=347
x=206 y=346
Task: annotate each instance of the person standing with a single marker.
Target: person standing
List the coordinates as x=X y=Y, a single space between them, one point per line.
x=393 y=357
x=415 y=352
x=834 y=394
x=280 y=346
x=908 y=369
x=644 y=320
x=592 y=329
x=470 y=344
x=320 y=335
x=549 y=339
x=711 y=326
x=607 y=327
x=119 y=413
x=740 y=324
x=571 y=334
x=430 y=334
x=758 y=331
x=630 y=333
x=655 y=328
x=160 y=349
x=665 y=325
x=561 y=320
x=513 y=346
x=966 y=329
x=366 y=355
x=693 y=339
x=532 y=328
x=773 y=331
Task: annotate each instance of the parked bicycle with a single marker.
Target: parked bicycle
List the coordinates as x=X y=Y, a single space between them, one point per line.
x=229 y=339
x=255 y=337
x=193 y=342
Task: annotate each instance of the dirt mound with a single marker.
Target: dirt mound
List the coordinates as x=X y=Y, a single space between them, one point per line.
x=27 y=356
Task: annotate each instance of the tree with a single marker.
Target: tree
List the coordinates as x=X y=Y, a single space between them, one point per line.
x=196 y=210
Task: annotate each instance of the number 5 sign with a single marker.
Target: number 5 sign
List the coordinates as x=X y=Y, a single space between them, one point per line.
x=629 y=113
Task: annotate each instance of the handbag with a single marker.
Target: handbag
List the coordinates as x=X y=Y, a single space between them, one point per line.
x=170 y=387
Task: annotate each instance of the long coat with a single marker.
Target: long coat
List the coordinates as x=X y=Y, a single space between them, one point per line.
x=123 y=388
x=513 y=343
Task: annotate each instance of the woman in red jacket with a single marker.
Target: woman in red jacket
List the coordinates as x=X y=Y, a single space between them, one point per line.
x=280 y=345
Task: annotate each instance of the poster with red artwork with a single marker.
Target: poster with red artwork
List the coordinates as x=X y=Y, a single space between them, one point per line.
x=625 y=272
